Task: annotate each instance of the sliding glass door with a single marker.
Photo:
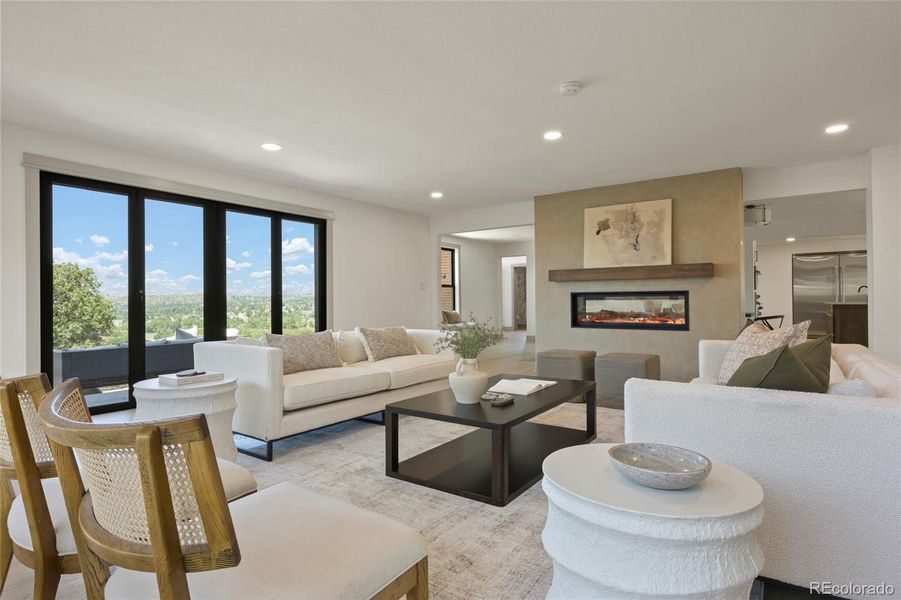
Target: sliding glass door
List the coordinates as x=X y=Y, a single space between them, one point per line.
x=173 y=284
x=132 y=278
x=89 y=302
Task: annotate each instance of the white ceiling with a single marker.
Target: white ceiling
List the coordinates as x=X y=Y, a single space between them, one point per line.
x=385 y=102
x=523 y=233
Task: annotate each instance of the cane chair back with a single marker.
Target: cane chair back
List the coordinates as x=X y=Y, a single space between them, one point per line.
x=155 y=501
x=25 y=456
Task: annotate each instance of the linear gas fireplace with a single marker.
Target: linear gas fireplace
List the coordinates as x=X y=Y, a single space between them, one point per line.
x=664 y=311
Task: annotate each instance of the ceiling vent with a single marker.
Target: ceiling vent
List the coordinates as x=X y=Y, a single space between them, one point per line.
x=757 y=214
x=571 y=88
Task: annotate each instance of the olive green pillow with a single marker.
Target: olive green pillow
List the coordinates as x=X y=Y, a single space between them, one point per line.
x=801 y=368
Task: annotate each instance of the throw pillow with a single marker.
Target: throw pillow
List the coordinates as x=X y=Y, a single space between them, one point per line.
x=451 y=317
x=757 y=339
x=351 y=348
x=778 y=369
x=817 y=357
x=387 y=342
x=306 y=352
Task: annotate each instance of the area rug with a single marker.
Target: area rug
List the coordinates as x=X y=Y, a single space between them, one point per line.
x=475 y=550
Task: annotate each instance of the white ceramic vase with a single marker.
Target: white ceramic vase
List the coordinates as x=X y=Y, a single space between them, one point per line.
x=467 y=382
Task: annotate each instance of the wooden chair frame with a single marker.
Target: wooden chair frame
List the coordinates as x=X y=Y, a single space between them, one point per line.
x=43 y=557
x=164 y=555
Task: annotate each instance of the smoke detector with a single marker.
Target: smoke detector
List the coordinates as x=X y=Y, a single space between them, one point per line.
x=571 y=88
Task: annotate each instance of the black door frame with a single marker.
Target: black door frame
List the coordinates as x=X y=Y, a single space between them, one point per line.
x=214 y=248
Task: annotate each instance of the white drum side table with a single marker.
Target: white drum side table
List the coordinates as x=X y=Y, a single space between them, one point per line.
x=611 y=539
x=215 y=399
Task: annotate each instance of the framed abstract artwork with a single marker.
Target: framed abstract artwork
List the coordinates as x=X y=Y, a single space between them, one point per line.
x=629 y=235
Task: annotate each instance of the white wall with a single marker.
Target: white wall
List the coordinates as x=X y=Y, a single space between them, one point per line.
x=380 y=265
x=774 y=259
x=477 y=278
x=779 y=182
x=450 y=222
x=884 y=218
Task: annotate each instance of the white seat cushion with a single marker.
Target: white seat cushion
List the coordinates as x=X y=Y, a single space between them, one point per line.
x=309 y=388
x=706 y=380
x=237 y=481
x=297 y=544
x=415 y=368
x=18 y=522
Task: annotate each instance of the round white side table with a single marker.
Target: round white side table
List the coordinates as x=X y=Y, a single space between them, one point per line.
x=215 y=399
x=611 y=539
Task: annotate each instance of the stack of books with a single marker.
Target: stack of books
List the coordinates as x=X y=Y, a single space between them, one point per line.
x=188 y=377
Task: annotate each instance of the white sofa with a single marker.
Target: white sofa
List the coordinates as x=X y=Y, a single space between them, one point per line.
x=273 y=406
x=830 y=465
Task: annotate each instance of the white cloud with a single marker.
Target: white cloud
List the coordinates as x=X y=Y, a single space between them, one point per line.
x=232 y=265
x=246 y=254
x=189 y=278
x=79 y=241
x=175 y=244
x=261 y=274
x=228 y=239
x=237 y=282
x=156 y=275
x=112 y=257
x=148 y=247
x=99 y=240
x=298 y=270
x=295 y=248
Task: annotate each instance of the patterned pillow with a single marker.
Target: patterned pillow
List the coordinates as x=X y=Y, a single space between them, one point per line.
x=387 y=342
x=756 y=340
x=306 y=352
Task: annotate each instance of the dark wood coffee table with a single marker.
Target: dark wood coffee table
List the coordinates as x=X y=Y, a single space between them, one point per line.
x=499 y=460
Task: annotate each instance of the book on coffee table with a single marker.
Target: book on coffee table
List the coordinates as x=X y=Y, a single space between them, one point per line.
x=188 y=378
x=520 y=387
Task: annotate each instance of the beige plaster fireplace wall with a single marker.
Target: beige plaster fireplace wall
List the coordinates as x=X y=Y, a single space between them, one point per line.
x=707 y=227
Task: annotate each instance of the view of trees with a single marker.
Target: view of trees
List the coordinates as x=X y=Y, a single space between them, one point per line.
x=84 y=318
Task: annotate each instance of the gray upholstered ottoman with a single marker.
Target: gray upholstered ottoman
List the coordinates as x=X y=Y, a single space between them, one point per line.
x=611 y=371
x=565 y=364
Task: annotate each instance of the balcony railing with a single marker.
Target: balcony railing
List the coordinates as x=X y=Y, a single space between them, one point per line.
x=108 y=365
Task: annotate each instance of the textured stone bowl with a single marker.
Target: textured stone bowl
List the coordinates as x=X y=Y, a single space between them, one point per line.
x=660 y=466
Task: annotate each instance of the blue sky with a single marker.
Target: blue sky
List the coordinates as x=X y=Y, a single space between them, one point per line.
x=90 y=229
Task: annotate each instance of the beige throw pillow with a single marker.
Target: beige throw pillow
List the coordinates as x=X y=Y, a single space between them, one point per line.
x=756 y=340
x=387 y=342
x=306 y=352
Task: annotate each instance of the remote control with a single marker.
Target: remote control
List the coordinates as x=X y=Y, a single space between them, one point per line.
x=502 y=400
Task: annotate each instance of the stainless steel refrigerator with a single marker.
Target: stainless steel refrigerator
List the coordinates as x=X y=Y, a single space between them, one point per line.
x=821 y=281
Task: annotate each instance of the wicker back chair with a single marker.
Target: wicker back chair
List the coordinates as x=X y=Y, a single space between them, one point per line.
x=156 y=501
x=26 y=457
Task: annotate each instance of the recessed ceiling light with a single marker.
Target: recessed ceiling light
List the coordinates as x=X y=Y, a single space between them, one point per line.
x=271 y=147
x=789 y=239
x=553 y=135
x=837 y=128
x=437 y=195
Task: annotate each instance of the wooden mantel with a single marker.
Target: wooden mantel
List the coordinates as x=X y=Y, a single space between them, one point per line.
x=622 y=273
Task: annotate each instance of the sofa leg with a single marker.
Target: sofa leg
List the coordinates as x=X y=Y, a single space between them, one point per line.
x=265 y=455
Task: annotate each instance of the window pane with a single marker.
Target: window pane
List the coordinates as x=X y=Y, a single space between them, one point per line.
x=173 y=284
x=248 y=275
x=298 y=277
x=90 y=292
x=447 y=266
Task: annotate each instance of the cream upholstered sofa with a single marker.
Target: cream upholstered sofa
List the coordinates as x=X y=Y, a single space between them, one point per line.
x=273 y=406
x=829 y=465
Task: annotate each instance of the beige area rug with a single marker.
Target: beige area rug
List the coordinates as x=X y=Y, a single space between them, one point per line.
x=475 y=550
